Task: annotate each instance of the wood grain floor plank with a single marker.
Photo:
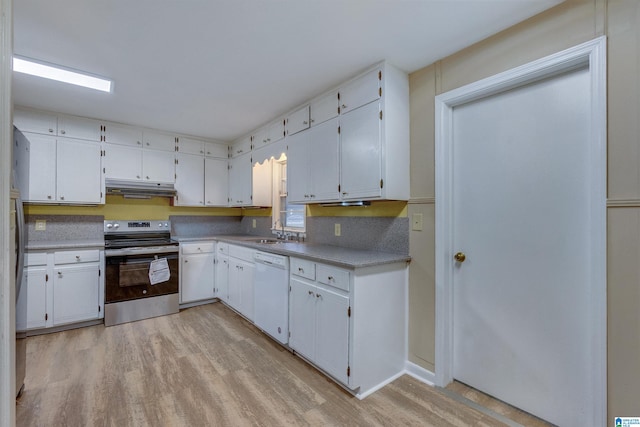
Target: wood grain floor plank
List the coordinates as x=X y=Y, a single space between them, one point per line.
x=206 y=366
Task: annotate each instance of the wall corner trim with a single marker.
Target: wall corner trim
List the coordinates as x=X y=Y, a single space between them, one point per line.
x=419 y=373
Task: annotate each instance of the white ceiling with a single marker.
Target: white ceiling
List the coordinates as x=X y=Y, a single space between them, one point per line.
x=221 y=68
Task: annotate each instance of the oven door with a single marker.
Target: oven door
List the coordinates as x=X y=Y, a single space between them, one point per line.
x=127 y=277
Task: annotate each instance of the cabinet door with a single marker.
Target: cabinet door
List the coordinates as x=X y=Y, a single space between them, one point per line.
x=158 y=166
x=41 y=168
x=190 y=180
x=190 y=146
x=240 y=177
x=216 y=182
x=78 y=127
x=324 y=109
x=79 y=174
x=323 y=162
x=197 y=277
x=275 y=131
x=360 y=91
x=222 y=278
x=120 y=134
x=34 y=296
x=216 y=149
x=247 y=271
x=302 y=314
x=332 y=333
x=259 y=138
x=298 y=168
x=298 y=121
x=122 y=162
x=76 y=293
x=233 y=297
x=159 y=141
x=241 y=147
x=360 y=153
x=35 y=121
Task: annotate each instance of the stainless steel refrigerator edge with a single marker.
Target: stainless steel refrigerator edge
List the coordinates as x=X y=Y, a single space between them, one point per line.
x=18 y=253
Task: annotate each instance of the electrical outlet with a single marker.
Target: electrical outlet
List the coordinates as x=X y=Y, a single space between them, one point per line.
x=337 y=230
x=253 y=223
x=416 y=222
x=41 y=225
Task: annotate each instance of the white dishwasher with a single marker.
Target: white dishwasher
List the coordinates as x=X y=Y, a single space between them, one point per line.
x=271 y=295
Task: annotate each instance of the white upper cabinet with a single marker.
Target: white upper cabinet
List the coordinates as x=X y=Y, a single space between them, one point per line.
x=312 y=164
x=190 y=146
x=324 y=108
x=361 y=153
x=216 y=149
x=268 y=134
x=58 y=170
x=240 y=177
x=79 y=127
x=122 y=162
x=298 y=121
x=158 y=141
x=360 y=91
x=240 y=147
x=158 y=166
x=189 y=180
x=35 y=122
x=216 y=181
x=122 y=134
x=78 y=177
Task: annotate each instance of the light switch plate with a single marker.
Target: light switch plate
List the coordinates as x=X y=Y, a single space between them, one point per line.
x=41 y=225
x=416 y=222
x=254 y=223
x=337 y=230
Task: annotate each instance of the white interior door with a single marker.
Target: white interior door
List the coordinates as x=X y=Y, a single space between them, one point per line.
x=521 y=215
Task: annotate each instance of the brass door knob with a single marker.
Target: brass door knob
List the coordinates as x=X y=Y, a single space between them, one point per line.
x=460 y=257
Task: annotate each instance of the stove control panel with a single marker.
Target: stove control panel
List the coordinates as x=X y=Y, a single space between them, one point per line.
x=112 y=226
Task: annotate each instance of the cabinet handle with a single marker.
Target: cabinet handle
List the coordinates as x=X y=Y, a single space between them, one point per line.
x=304 y=122
x=139 y=143
x=138 y=176
x=301 y=270
x=61 y=197
x=239 y=151
x=186 y=261
x=344 y=193
x=148 y=144
x=330 y=278
x=50 y=130
x=147 y=177
x=201 y=152
x=310 y=292
x=63 y=132
x=344 y=106
x=59 y=274
x=312 y=121
x=49 y=197
x=318 y=296
x=77 y=257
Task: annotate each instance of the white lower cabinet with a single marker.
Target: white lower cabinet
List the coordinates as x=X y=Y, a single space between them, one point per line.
x=350 y=323
x=319 y=323
x=241 y=286
x=63 y=287
x=197 y=271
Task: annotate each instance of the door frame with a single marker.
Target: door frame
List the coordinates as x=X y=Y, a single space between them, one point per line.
x=593 y=55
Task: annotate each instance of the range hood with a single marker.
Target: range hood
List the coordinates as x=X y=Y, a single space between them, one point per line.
x=139 y=189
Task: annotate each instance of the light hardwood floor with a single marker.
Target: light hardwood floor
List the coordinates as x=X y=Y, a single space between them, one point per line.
x=206 y=366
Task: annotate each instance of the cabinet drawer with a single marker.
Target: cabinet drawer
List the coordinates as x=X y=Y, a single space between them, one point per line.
x=332 y=276
x=241 y=252
x=197 y=248
x=73 y=257
x=223 y=248
x=303 y=268
x=32 y=259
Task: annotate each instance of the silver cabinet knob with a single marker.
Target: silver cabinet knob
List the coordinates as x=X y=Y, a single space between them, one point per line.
x=63 y=132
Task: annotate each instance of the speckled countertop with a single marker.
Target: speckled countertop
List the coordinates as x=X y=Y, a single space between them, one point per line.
x=336 y=255
x=44 y=245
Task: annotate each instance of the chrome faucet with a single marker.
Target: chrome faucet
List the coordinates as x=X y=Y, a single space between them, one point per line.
x=280 y=234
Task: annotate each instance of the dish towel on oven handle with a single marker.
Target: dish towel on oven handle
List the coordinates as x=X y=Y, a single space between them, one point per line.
x=159 y=271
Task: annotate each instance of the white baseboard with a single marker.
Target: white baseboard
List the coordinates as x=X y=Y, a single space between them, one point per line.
x=419 y=373
x=379 y=386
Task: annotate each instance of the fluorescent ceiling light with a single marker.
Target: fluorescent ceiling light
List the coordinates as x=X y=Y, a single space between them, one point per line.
x=55 y=72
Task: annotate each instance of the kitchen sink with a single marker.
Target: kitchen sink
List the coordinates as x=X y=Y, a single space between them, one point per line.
x=268 y=241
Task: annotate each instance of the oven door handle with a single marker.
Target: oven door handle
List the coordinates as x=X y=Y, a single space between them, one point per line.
x=150 y=253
